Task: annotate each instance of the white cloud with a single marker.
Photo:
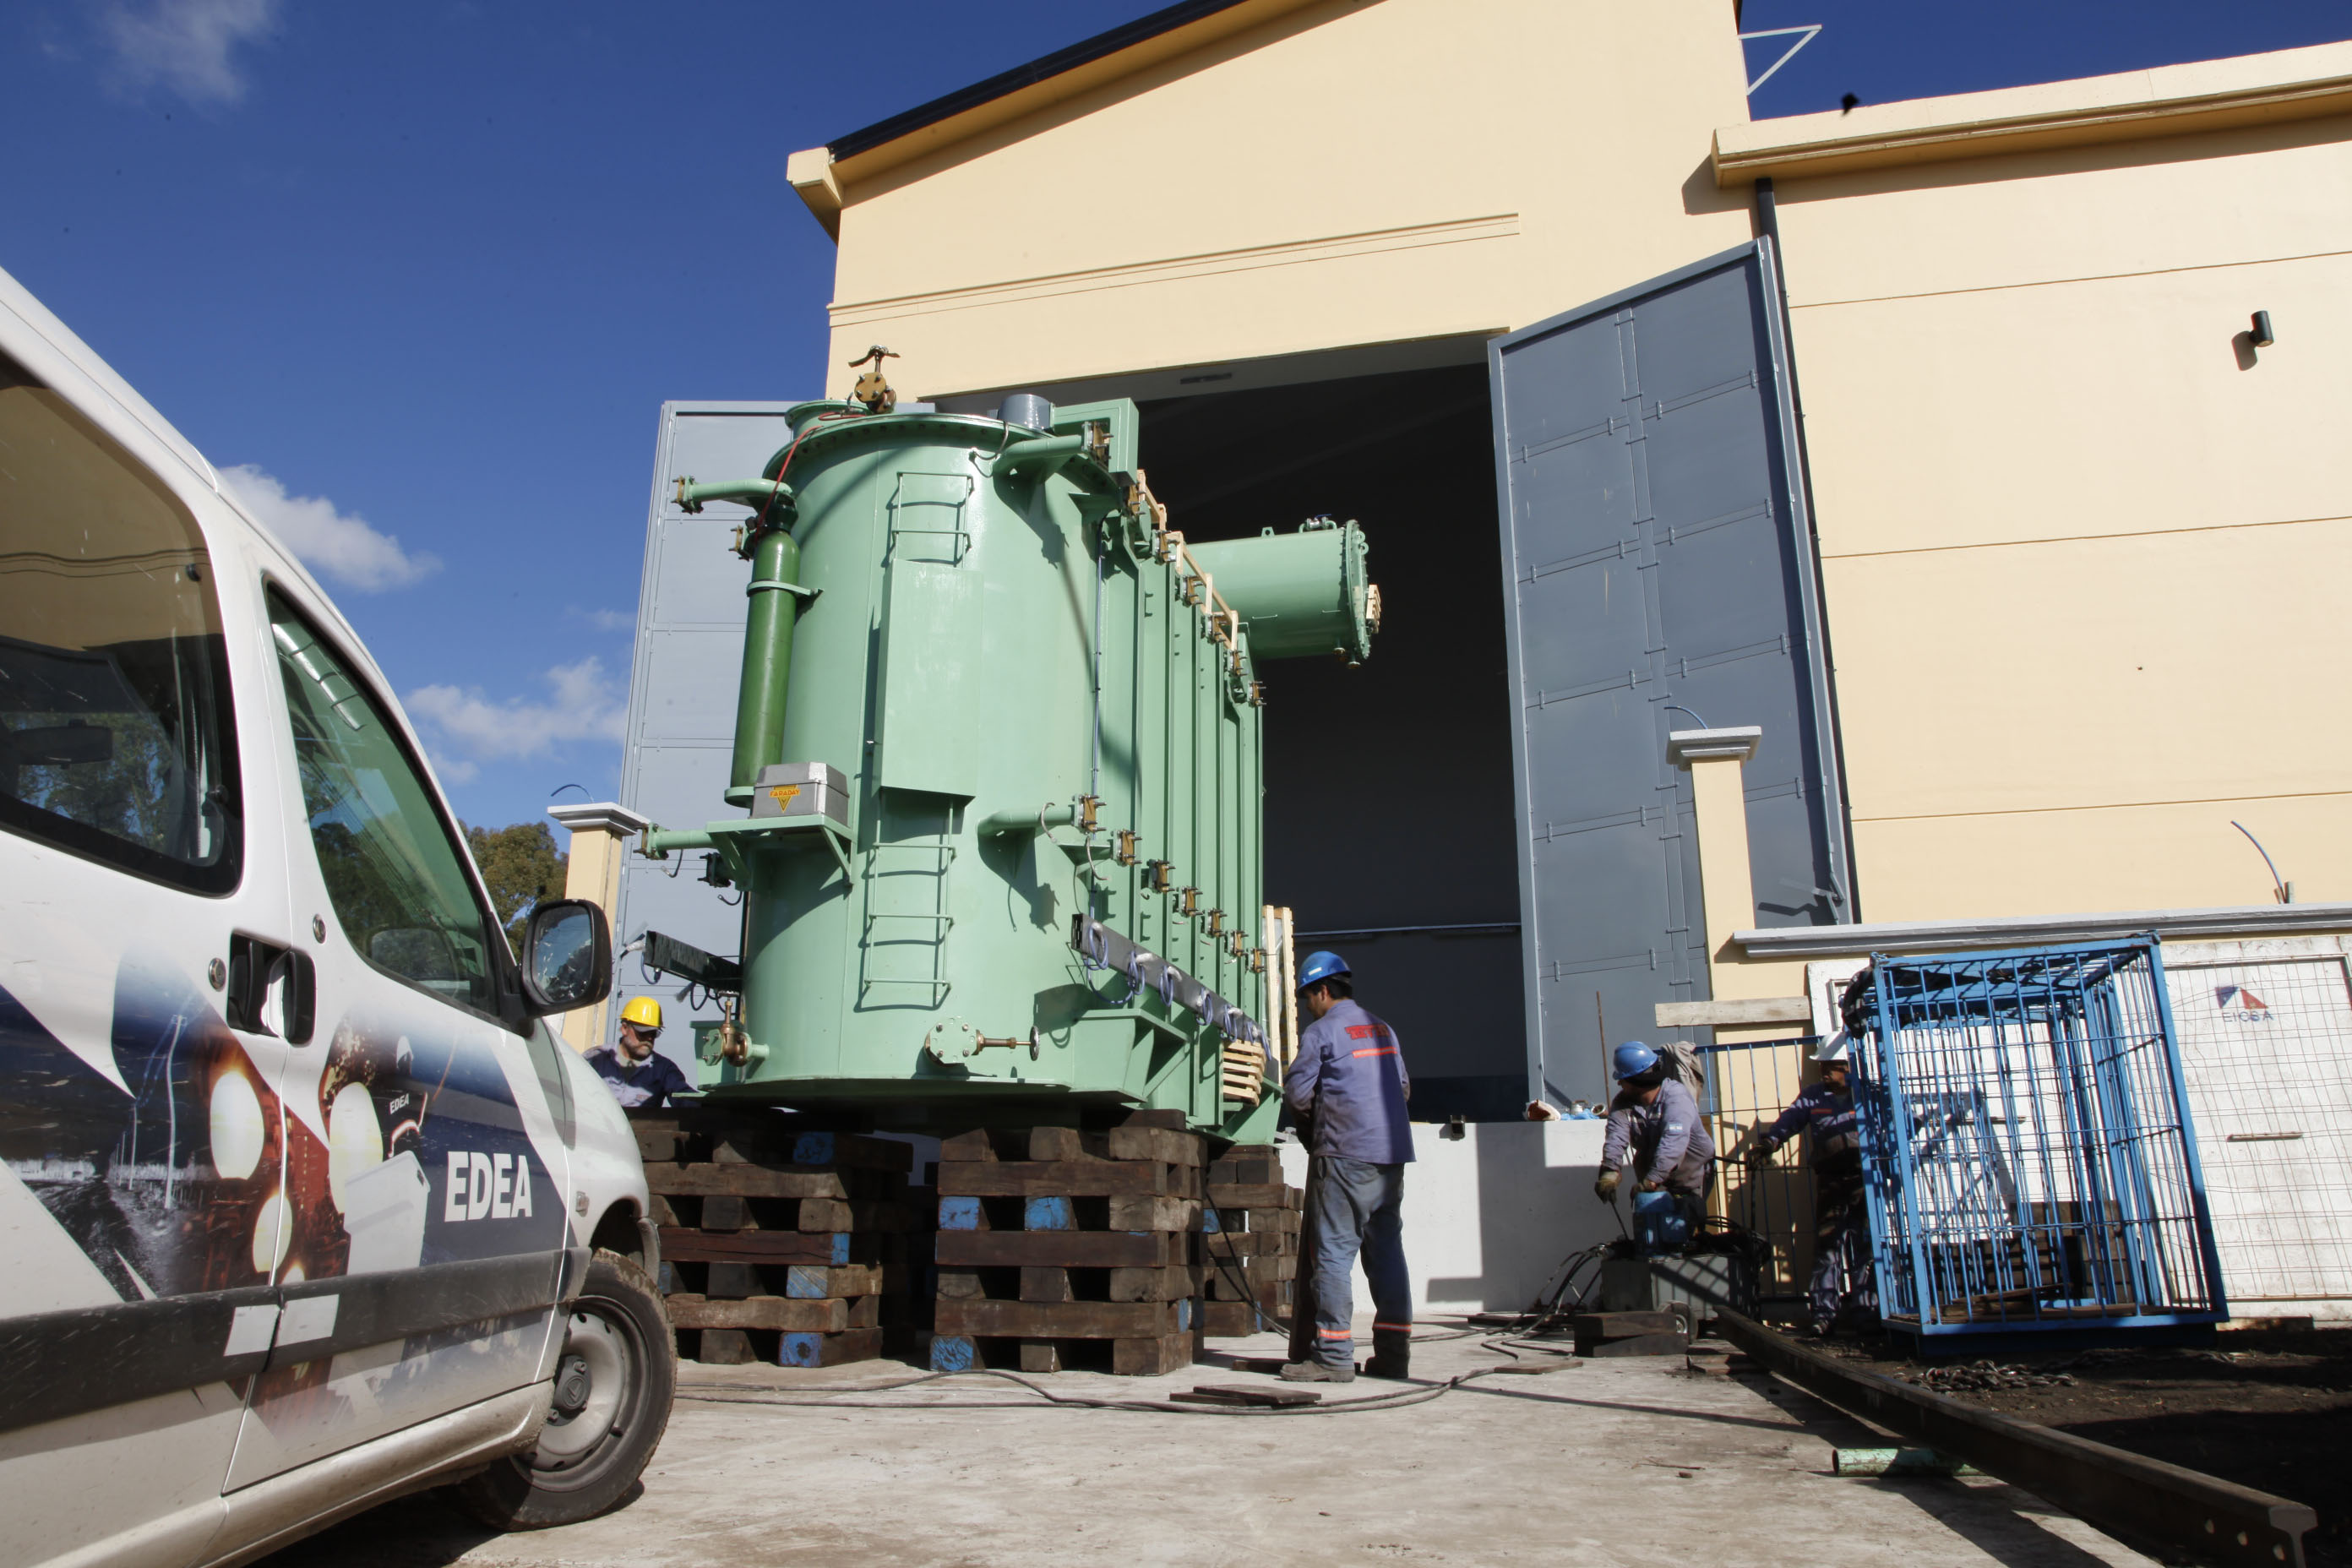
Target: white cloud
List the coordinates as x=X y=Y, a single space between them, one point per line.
x=608 y=620
x=186 y=44
x=586 y=704
x=332 y=543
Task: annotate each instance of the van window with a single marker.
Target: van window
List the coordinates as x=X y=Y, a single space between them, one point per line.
x=116 y=740
x=392 y=870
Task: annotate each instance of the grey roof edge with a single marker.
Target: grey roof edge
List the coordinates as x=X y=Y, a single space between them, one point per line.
x=1043 y=68
x=2033 y=930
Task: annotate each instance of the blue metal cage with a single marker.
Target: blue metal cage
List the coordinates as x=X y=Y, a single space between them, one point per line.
x=2030 y=1160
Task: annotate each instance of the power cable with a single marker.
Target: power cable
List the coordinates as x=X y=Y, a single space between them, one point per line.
x=827 y=1399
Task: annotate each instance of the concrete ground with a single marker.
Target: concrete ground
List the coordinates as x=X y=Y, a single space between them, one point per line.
x=1631 y=1462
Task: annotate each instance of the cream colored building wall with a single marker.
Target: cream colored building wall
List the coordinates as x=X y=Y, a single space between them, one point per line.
x=2084 y=557
x=1353 y=172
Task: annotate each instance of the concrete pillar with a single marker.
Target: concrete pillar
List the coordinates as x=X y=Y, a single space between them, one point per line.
x=1765 y=1079
x=1716 y=759
x=601 y=832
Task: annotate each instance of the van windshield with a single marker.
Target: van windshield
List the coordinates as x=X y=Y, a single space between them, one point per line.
x=116 y=740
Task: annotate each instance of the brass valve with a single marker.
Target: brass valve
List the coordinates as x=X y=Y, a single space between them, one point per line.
x=873 y=389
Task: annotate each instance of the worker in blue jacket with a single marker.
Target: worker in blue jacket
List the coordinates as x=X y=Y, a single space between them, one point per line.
x=1655 y=1122
x=1824 y=1113
x=1347 y=1094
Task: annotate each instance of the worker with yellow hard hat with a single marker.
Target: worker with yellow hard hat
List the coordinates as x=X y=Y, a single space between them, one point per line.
x=637 y=1075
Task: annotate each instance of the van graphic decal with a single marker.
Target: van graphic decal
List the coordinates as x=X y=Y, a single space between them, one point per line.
x=486 y=1186
x=170 y=1188
x=187 y=1177
x=427 y=1148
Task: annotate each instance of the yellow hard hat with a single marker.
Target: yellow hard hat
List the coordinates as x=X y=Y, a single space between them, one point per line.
x=644 y=1011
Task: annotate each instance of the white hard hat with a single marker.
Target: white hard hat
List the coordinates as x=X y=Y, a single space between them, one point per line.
x=1832 y=1049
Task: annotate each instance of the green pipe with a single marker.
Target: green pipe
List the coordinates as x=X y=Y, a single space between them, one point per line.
x=767 y=660
x=660 y=841
x=1029 y=823
x=1039 y=454
x=777 y=500
x=1301 y=594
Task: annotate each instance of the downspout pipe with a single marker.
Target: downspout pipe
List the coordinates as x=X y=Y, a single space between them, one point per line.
x=1768 y=229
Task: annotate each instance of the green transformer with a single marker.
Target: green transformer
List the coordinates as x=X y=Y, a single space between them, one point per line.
x=999 y=740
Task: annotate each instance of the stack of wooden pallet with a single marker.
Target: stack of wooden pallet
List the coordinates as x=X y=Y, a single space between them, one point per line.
x=1058 y=1248
x=779 y=1243
x=1250 y=1244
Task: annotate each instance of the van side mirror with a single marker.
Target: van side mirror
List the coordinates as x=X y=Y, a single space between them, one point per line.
x=567 y=956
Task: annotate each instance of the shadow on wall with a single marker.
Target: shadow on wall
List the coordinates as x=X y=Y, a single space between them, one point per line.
x=1488 y=1220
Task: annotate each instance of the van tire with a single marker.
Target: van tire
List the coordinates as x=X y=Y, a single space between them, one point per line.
x=619 y=1366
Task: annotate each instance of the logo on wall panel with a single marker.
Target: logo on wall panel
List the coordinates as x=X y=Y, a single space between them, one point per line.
x=2239 y=1005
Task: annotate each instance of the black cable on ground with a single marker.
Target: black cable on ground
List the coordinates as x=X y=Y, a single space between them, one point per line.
x=1257 y=1314
x=828 y=1399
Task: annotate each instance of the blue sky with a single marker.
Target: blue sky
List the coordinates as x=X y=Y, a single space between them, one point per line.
x=424 y=272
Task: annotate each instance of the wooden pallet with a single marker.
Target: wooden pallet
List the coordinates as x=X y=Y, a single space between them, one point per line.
x=1058 y=1248
x=1250 y=1244
x=779 y=1243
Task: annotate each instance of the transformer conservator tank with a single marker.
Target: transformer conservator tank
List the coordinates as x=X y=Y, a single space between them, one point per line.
x=999 y=735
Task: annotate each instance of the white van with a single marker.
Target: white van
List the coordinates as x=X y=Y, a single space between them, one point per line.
x=302 y=1205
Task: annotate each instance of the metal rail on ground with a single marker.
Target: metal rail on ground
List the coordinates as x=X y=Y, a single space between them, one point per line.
x=2126 y=1495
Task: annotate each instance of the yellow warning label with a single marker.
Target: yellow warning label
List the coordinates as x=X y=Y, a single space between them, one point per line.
x=784 y=794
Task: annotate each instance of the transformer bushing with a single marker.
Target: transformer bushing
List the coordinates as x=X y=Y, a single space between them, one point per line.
x=999 y=731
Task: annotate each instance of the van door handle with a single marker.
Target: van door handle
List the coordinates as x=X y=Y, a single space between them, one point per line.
x=296 y=981
x=272 y=990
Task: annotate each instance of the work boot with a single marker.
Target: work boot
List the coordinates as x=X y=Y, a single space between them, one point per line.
x=1318 y=1372
x=1391 y=1353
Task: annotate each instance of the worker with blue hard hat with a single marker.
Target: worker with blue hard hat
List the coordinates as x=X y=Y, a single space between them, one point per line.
x=1346 y=1093
x=1655 y=1122
x=1842 y=1286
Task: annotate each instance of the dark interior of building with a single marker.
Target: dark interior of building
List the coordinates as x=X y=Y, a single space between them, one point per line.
x=1389 y=795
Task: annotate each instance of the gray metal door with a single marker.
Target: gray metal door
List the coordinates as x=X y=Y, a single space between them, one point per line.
x=682 y=683
x=1659 y=565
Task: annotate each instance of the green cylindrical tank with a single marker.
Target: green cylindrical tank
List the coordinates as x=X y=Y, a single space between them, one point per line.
x=1300 y=594
x=1041 y=887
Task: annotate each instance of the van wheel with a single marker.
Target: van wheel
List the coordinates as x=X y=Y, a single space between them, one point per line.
x=614 y=1383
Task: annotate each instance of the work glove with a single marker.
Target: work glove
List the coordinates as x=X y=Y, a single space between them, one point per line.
x=1605 y=1189
x=1653 y=1187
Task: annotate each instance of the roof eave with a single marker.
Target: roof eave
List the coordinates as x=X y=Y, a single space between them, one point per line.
x=2207 y=95
x=825 y=176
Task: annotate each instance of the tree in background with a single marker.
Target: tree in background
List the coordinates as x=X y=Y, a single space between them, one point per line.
x=520 y=867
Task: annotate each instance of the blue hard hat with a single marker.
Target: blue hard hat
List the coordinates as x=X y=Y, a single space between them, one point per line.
x=1632 y=1059
x=1321 y=966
